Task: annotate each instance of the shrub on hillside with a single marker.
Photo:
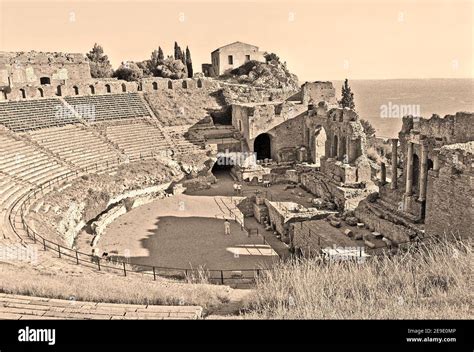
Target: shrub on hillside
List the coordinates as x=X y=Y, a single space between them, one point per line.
x=171 y=68
x=129 y=71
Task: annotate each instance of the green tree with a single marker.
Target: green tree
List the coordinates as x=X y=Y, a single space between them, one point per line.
x=189 y=63
x=269 y=57
x=347 y=100
x=178 y=53
x=174 y=69
x=129 y=71
x=99 y=63
x=161 y=56
x=368 y=128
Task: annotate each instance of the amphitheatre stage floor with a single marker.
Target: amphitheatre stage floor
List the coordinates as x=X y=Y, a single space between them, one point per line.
x=186 y=231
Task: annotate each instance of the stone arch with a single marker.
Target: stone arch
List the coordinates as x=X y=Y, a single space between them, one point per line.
x=45 y=80
x=92 y=89
x=108 y=89
x=319 y=144
x=170 y=84
x=76 y=90
x=124 y=87
x=41 y=92
x=23 y=93
x=155 y=86
x=262 y=146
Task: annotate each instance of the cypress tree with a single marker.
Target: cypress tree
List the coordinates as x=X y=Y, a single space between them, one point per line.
x=347 y=100
x=161 y=56
x=189 y=63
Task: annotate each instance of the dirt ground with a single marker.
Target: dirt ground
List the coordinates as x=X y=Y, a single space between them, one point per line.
x=185 y=231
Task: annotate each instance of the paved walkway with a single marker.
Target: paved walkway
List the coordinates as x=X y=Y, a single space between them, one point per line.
x=16 y=307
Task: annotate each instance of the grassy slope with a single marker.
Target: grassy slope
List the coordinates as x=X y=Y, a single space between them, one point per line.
x=105 y=287
x=433 y=284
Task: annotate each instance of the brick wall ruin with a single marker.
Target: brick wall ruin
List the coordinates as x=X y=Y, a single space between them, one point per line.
x=20 y=69
x=432 y=192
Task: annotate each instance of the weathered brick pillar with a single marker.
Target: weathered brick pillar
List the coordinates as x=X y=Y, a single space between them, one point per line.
x=353 y=150
x=394 y=163
x=436 y=163
x=348 y=147
x=423 y=172
x=383 y=174
x=409 y=166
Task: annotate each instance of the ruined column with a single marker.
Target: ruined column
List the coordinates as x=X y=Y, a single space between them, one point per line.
x=409 y=180
x=353 y=145
x=423 y=172
x=340 y=148
x=383 y=174
x=436 y=162
x=394 y=163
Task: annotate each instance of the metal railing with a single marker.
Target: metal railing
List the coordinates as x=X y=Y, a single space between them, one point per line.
x=118 y=265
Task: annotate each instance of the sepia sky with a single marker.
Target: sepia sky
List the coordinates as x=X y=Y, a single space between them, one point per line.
x=319 y=39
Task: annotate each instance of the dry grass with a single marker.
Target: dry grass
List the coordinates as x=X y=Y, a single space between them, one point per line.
x=109 y=288
x=424 y=283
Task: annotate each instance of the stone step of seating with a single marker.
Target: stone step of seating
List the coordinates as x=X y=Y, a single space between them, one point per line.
x=33 y=114
x=394 y=216
x=139 y=138
x=109 y=106
x=81 y=147
x=21 y=307
x=32 y=169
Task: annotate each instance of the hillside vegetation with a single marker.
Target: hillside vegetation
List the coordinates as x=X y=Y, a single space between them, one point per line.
x=272 y=74
x=424 y=283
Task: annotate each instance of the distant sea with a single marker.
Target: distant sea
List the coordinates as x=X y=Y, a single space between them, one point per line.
x=378 y=101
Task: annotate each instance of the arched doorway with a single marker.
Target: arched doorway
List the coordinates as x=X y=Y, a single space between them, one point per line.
x=319 y=150
x=76 y=90
x=334 y=146
x=59 y=91
x=262 y=146
x=155 y=86
x=124 y=87
x=199 y=83
x=170 y=85
x=45 y=80
x=107 y=88
x=23 y=93
x=41 y=92
x=92 y=89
